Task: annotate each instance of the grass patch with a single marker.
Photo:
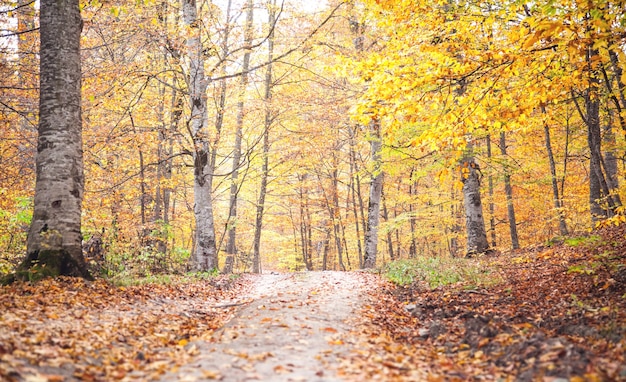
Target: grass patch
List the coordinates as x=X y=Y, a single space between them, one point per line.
x=124 y=279
x=440 y=271
x=583 y=241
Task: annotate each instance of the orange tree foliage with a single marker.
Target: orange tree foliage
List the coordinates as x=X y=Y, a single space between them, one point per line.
x=522 y=68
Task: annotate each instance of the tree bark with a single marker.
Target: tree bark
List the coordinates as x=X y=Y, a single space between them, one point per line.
x=556 y=196
x=412 y=221
x=355 y=184
x=602 y=203
x=376 y=188
x=475 y=224
x=392 y=256
x=231 y=244
x=54 y=244
x=336 y=215
x=256 y=259
x=508 y=190
x=205 y=253
x=492 y=214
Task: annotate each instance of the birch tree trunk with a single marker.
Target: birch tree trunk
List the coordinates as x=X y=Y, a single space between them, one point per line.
x=54 y=244
x=475 y=223
x=376 y=188
x=205 y=253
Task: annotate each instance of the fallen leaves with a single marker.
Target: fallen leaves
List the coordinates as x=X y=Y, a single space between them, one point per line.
x=95 y=331
x=542 y=323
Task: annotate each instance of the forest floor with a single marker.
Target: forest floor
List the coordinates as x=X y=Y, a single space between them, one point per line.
x=552 y=313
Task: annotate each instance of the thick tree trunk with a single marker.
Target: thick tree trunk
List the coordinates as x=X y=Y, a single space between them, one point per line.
x=376 y=188
x=231 y=244
x=205 y=253
x=475 y=224
x=508 y=190
x=54 y=244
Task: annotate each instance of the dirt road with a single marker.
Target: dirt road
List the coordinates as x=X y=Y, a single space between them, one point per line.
x=293 y=330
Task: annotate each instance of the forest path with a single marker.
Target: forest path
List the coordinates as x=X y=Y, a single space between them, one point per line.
x=295 y=329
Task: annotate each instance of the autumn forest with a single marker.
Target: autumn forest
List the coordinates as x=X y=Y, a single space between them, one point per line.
x=249 y=135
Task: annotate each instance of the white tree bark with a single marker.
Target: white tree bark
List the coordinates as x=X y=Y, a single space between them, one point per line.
x=205 y=253
x=475 y=223
x=54 y=240
x=376 y=190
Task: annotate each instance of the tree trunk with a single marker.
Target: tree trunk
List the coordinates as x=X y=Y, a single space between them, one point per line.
x=305 y=224
x=389 y=235
x=508 y=190
x=602 y=204
x=205 y=253
x=475 y=224
x=556 y=196
x=54 y=244
x=256 y=260
x=412 y=220
x=376 y=188
x=610 y=159
x=492 y=214
x=354 y=185
x=231 y=244
x=336 y=215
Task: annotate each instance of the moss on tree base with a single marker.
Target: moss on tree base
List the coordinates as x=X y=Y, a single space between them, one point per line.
x=42 y=264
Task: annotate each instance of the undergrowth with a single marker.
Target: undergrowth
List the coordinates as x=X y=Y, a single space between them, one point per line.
x=440 y=271
x=165 y=279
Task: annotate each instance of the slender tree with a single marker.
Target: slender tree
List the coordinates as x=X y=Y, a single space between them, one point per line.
x=256 y=260
x=231 y=245
x=508 y=190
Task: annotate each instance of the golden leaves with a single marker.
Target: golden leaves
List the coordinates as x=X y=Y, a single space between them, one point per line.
x=104 y=331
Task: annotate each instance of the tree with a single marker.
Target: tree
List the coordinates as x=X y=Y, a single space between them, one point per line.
x=54 y=245
x=205 y=252
x=376 y=190
x=474 y=220
x=508 y=190
x=231 y=245
x=267 y=124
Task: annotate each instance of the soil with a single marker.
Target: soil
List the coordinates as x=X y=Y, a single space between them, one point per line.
x=294 y=329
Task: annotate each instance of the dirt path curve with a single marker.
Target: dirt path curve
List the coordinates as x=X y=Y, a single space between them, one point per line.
x=292 y=331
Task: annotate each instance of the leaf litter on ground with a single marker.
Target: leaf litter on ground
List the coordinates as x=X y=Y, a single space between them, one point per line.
x=557 y=314
x=71 y=329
